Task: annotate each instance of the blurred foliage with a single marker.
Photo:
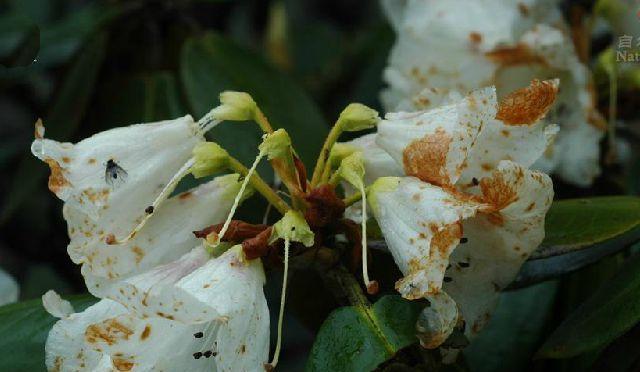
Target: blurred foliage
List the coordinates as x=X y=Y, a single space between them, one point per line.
x=86 y=66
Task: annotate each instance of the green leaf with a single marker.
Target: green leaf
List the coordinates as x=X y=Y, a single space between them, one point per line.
x=24 y=327
x=518 y=325
x=156 y=96
x=580 y=232
x=211 y=64
x=359 y=338
x=66 y=111
x=611 y=311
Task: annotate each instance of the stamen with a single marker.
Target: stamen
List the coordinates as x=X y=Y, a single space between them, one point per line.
x=164 y=194
x=276 y=353
x=372 y=285
x=207 y=122
x=245 y=182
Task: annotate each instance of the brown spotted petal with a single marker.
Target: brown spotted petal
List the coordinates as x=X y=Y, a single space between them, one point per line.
x=522 y=143
x=498 y=240
x=66 y=349
x=437 y=321
x=421 y=224
x=164 y=239
x=118 y=172
x=433 y=145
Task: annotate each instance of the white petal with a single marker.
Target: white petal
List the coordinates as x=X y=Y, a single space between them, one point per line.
x=194 y=289
x=421 y=225
x=66 y=349
x=433 y=145
x=9 y=289
x=238 y=342
x=437 y=321
x=580 y=153
x=518 y=136
x=498 y=242
x=55 y=305
x=166 y=237
x=377 y=162
x=146 y=157
x=449 y=46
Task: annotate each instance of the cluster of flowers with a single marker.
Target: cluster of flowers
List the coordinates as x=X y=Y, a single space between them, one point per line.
x=462 y=45
x=451 y=181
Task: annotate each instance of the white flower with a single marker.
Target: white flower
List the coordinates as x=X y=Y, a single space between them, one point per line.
x=421 y=224
x=480 y=195
x=452 y=46
x=195 y=314
x=9 y=289
x=117 y=174
x=166 y=237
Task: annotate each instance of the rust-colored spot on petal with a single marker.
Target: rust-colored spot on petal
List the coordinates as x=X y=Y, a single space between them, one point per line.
x=109 y=331
x=426 y=158
x=138 y=252
x=57 y=180
x=475 y=37
x=146 y=332
x=514 y=55
x=443 y=239
x=528 y=105
x=123 y=364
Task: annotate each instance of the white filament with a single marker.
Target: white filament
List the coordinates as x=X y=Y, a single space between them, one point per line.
x=164 y=194
x=236 y=202
x=276 y=353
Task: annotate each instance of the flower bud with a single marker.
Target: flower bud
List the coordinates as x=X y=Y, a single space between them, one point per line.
x=236 y=106
x=292 y=226
x=352 y=169
x=210 y=158
x=357 y=117
x=276 y=144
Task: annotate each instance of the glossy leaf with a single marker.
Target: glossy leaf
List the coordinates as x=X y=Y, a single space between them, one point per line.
x=360 y=338
x=514 y=331
x=580 y=232
x=612 y=310
x=211 y=64
x=24 y=327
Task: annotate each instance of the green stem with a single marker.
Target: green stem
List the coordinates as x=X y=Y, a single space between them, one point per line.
x=262 y=121
x=348 y=201
x=324 y=153
x=262 y=187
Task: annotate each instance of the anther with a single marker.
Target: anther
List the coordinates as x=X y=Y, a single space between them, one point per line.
x=198 y=335
x=197 y=355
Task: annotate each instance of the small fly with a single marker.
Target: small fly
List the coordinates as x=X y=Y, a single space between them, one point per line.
x=114 y=174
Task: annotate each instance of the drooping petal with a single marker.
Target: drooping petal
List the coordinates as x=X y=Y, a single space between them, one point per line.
x=238 y=342
x=498 y=240
x=166 y=237
x=194 y=289
x=66 y=349
x=116 y=174
x=516 y=134
x=55 y=305
x=9 y=289
x=433 y=145
x=437 y=321
x=421 y=224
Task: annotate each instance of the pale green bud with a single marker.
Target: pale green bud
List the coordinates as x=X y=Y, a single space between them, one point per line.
x=357 y=117
x=209 y=158
x=276 y=144
x=382 y=184
x=292 y=226
x=352 y=169
x=340 y=151
x=237 y=106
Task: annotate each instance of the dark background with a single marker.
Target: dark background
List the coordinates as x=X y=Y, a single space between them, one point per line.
x=102 y=64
